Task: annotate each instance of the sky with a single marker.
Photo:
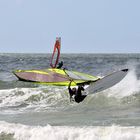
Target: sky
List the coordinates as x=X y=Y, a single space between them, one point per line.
x=85 y=26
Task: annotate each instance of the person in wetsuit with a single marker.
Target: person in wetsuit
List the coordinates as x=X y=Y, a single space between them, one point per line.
x=60 y=64
x=76 y=94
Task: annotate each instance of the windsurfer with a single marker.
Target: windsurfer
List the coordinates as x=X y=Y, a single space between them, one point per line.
x=60 y=64
x=76 y=94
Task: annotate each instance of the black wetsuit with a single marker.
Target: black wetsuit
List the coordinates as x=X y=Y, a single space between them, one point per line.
x=71 y=92
x=78 y=95
x=60 y=65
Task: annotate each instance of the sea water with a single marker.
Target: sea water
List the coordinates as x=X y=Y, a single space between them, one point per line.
x=39 y=112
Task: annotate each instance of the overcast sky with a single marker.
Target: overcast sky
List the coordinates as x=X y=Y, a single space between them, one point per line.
x=85 y=26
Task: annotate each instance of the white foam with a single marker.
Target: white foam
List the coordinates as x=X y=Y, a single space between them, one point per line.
x=23 y=132
x=15 y=96
x=32 y=99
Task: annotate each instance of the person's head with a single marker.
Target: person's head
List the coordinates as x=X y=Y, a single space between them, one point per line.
x=74 y=90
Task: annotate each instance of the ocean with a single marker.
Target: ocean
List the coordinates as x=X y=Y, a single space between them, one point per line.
x=39 y=112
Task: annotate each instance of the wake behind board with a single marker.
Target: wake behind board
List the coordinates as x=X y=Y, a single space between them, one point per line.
x=106 y=82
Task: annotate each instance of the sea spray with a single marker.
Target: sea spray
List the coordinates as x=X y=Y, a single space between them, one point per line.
x=130 y=85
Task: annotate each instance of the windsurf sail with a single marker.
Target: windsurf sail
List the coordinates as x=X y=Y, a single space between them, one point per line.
x=81 y=76
x=56 y=53
x=53 y=76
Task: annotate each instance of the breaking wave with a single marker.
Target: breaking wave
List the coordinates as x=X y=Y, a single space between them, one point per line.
x=25 y=132
x=26 y=99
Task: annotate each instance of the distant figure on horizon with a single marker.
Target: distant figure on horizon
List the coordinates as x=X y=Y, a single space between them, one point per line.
x=60 y=64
